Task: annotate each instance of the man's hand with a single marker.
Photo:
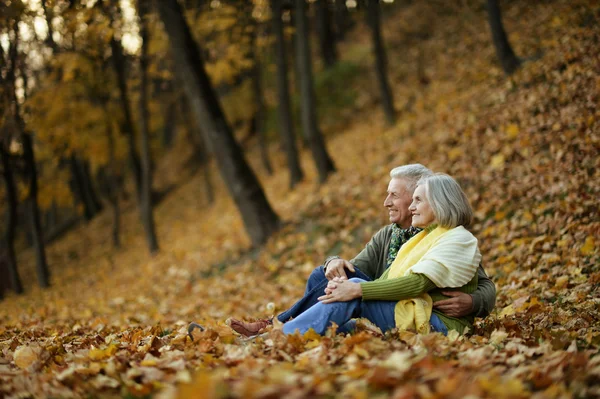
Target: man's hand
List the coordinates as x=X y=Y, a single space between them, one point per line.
x=336 y=268
x=341 y=290
x=459 y=305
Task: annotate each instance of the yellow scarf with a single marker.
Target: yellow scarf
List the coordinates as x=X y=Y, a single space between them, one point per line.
x=414 y=313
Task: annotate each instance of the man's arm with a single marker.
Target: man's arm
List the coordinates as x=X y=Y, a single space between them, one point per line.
x=479 y=304
x=367 y=260
x=484 y=297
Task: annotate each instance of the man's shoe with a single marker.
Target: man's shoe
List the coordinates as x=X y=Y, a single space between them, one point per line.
x=249 y=328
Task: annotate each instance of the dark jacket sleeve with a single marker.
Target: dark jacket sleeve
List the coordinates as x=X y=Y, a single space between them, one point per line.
x=484 y=297
x=370 y=259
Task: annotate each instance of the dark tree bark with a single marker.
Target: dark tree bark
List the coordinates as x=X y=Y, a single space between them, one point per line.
x=308 y=110
x=327 y=39
x=11 y=223
x=112 y=189
x=83 y=187
x=508 y=60
x=342 y=19
x=128 y=128
x=168 y=133
x=50 y=38
x=286 y=128
x=260 y=112
x=374 y=22
x=146 y=194
x=259 y=218
x=30 y=170
x=34 y=212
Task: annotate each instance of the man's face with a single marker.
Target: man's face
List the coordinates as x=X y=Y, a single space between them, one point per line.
x=397 y=202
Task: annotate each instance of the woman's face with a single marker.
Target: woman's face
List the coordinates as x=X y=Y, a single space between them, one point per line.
x=422 y=214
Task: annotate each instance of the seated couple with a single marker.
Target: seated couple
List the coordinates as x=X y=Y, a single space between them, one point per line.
x=421 y=273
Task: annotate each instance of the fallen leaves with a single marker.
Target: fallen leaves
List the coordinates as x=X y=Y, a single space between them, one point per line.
x=526 y=151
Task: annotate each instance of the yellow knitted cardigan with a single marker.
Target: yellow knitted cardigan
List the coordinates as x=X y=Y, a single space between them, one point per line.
x=448 y=257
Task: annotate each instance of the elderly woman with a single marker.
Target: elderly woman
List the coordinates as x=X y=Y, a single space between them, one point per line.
x=444 y=255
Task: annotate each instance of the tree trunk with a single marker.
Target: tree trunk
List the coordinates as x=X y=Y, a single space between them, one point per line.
x=286 y=128
x=82 y=188
x=374 y=22
x=509 y=61
x=259 y=114
x=327 y=43
x=34 y=212
x=50 y=38
x=11 y=223
x=342 y=19
x=308 y=109
x=168 y=133
x=113 y=190
x=259 y=218
x=128 y=129
x=146 y=194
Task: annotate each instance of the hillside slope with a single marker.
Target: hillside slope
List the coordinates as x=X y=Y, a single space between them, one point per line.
x=525 y=149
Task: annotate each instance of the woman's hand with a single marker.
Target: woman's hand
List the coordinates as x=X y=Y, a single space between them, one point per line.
x=339 y=290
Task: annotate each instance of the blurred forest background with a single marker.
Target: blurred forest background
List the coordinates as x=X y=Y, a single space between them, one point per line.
x=168 y=161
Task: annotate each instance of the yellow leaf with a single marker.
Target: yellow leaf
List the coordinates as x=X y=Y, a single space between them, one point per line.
x=455 y=153
x=497 y=161
x=512 y=131
x=589 y=246
x=562 y=282
x=100 y=354
x=24 y=356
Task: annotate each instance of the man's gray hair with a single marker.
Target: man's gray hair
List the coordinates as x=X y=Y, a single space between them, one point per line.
x=411 y=173
x=448 y=201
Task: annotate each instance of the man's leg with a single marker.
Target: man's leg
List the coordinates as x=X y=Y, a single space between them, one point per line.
x=315 y=287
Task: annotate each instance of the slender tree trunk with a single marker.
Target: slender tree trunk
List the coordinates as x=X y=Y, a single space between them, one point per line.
x=259 y=218
x=118 y=61
x=308 y=110
x=34 y=212
x=30 y=170
x=113 y=190
x=11 y=223
x=387 y=99
x=146 y=194
x=201 y=153
x=286 y=127
x=260 y=113
x=342 y=19
x=50 y=38
x=89 y=186
x=170 y=125
x=78 y=187
x=327 y=39
x=509 y=61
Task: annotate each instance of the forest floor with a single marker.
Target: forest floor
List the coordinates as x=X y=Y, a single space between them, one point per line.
x=525 y=149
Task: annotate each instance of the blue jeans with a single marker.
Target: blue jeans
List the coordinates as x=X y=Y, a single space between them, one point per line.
x=320 y=316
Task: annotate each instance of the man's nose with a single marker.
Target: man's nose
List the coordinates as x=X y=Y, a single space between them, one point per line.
x=387 y=201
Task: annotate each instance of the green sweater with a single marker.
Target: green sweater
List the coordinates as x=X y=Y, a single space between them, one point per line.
x=372 y=261
x=413 y=285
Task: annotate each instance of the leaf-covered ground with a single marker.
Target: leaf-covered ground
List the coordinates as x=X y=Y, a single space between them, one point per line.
x=526 y=150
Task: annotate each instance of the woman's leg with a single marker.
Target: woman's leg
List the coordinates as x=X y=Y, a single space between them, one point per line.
x=320 y=315
x=437 y=325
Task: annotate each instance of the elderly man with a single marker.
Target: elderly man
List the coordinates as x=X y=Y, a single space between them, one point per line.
x=378 y=255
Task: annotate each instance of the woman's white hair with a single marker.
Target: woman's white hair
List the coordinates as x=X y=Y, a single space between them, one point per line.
x=411 y=173
x=448 y=201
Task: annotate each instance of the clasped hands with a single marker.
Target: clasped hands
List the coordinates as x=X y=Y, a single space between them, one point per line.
x=339 y=289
